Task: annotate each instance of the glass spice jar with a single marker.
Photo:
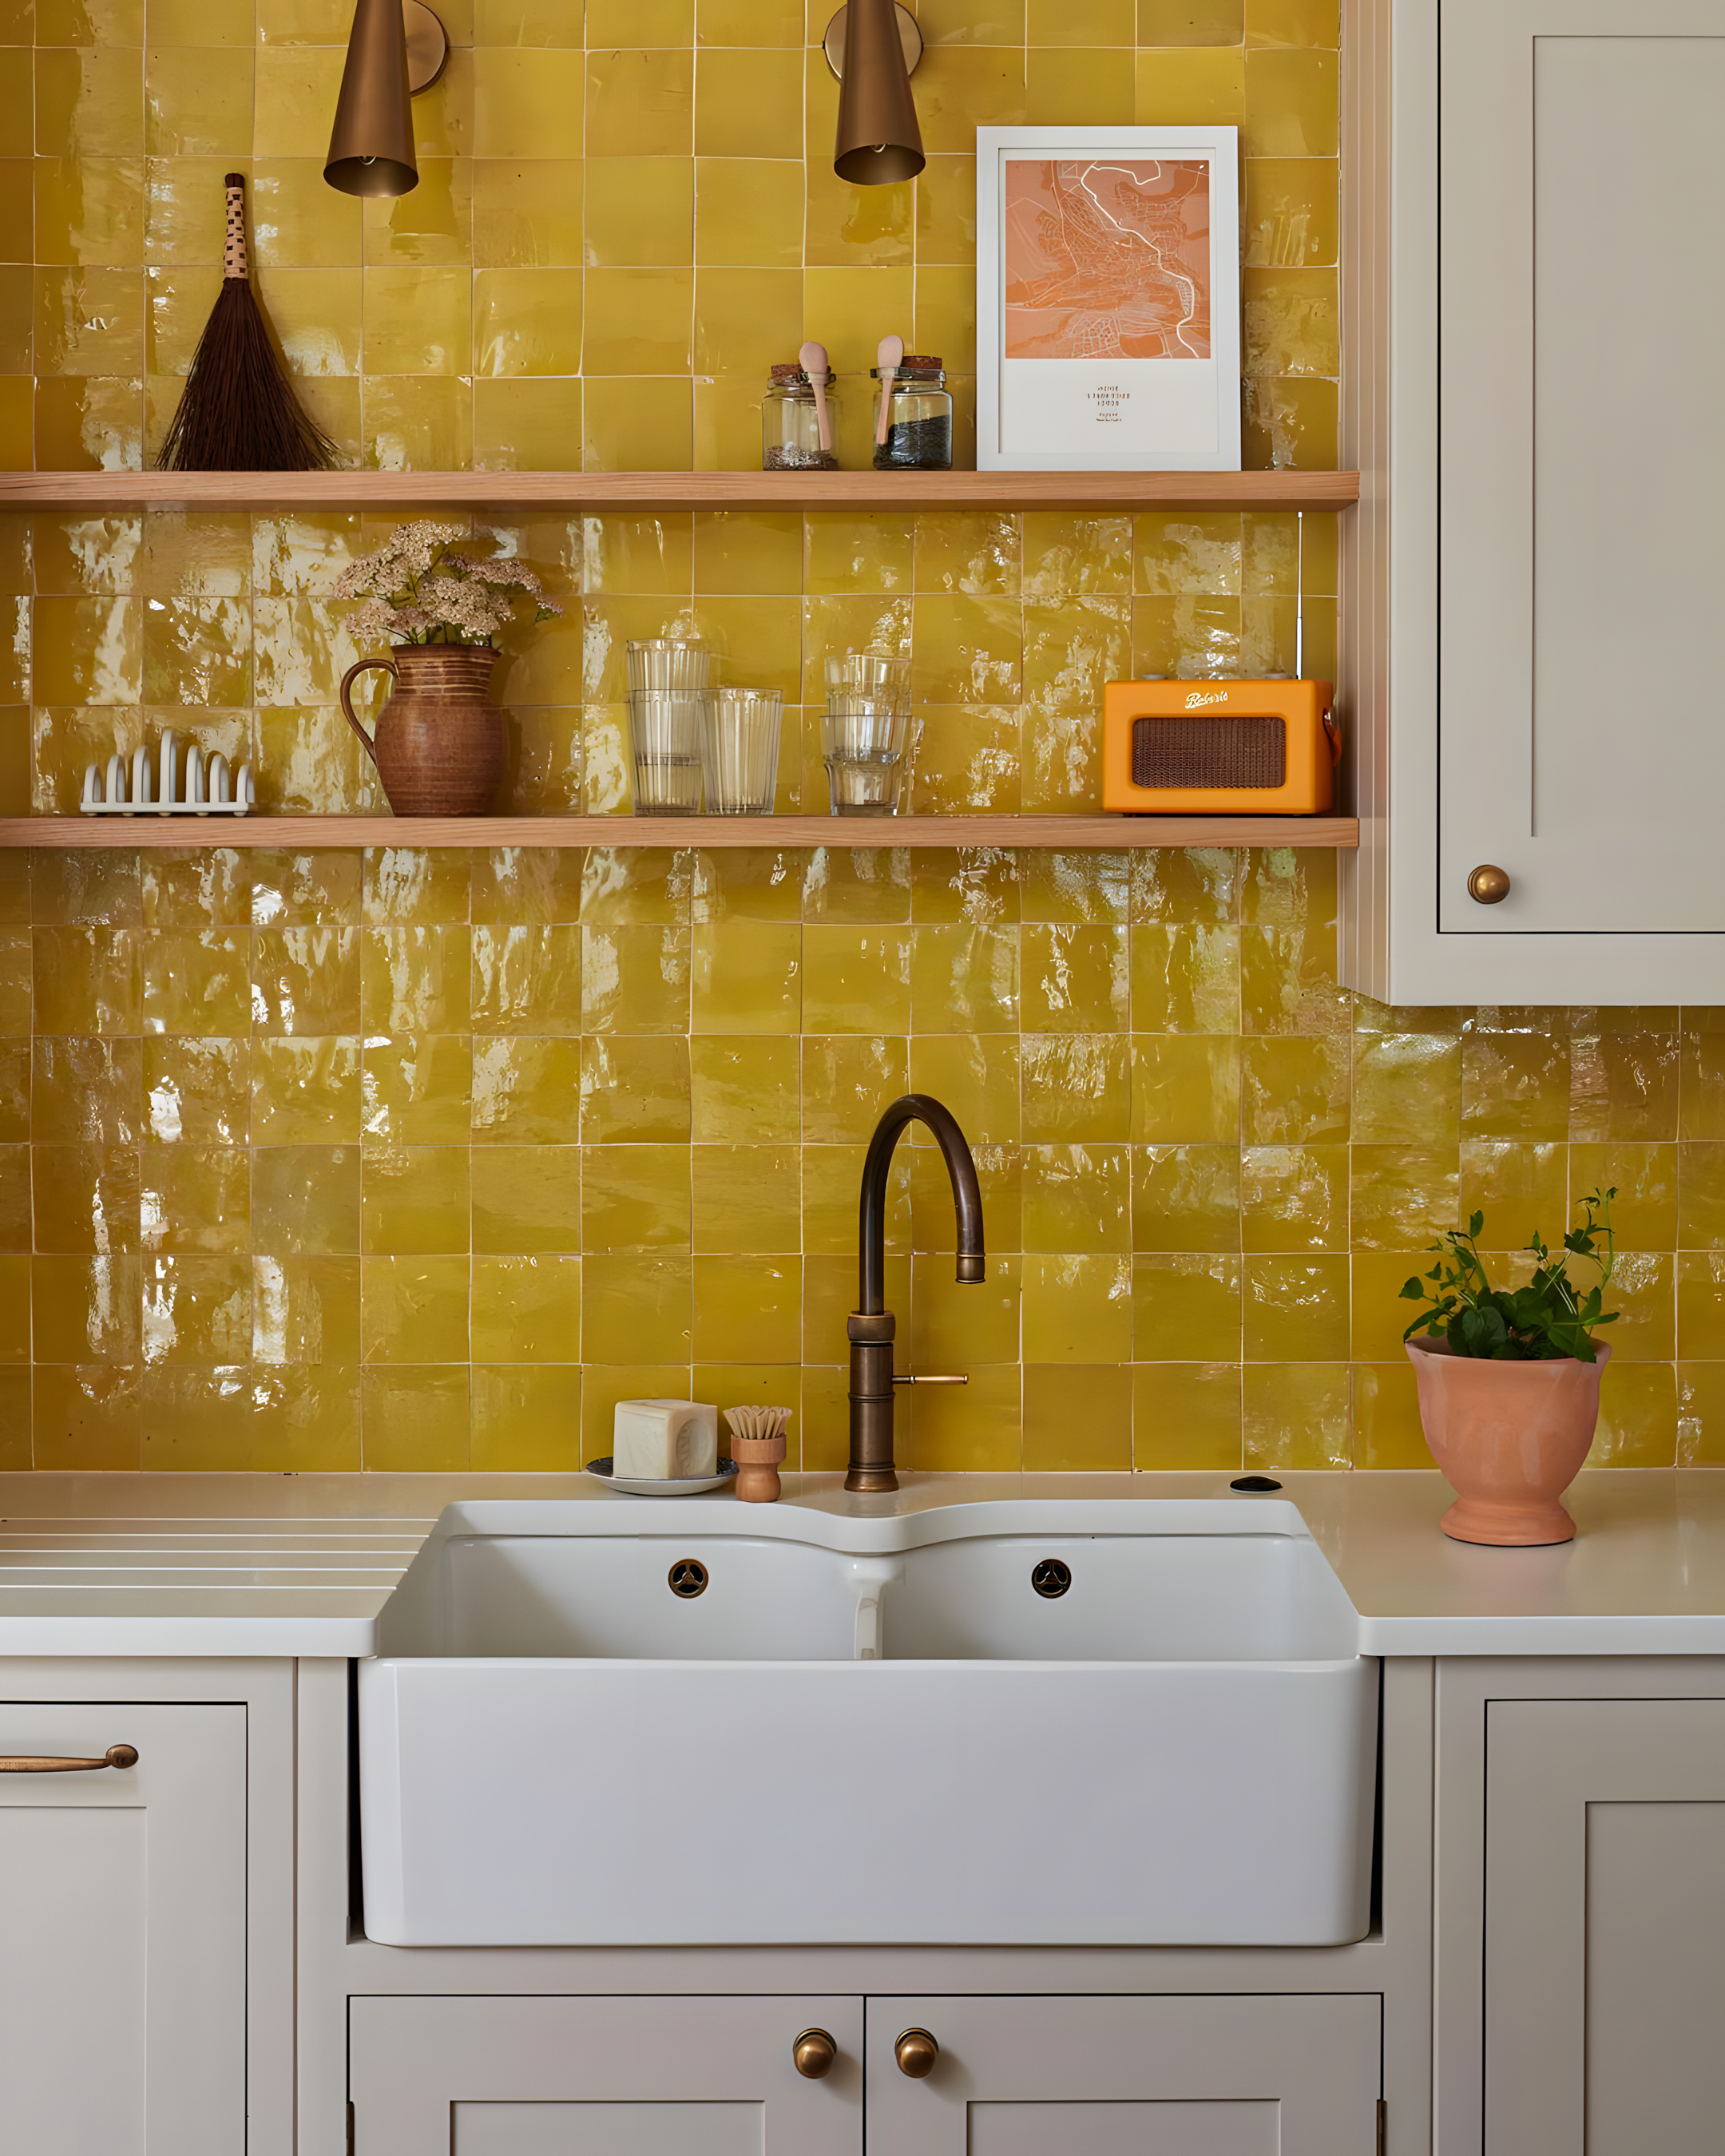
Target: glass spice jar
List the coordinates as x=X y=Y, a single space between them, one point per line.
x=919 y=417
x=790 y=424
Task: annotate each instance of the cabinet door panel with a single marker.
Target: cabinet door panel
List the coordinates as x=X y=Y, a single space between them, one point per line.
x=609 y=2129
x=1154 y=2077
x=1605 y=1925
x=123 y=1933
x=1583 y=281
x=1124 y=2129
x=634 y=2076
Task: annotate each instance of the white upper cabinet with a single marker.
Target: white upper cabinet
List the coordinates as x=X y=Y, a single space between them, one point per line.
x=1536 y=274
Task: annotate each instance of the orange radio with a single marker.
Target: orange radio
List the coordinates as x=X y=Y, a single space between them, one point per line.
x=1181 y=748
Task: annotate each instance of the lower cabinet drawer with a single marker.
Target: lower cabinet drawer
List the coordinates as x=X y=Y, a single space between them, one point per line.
x=635 y=2076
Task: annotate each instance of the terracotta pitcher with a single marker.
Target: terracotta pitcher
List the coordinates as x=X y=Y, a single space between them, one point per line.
x=1509 y=1437
x=438 y=740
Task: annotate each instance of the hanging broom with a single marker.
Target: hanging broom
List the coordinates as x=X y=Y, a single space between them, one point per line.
x=239 y=412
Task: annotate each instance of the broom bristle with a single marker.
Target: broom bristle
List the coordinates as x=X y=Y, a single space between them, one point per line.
x=239 y=412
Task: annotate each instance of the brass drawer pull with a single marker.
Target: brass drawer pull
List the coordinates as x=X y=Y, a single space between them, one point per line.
x=1488 y=884
x=915 y=2051
x=116 y=1755
x=812 y=2055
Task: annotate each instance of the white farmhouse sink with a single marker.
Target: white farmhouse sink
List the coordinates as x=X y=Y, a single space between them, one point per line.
x=556 y=1749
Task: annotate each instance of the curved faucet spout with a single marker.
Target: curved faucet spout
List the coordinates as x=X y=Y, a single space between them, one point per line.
x=870 y=1328
x=967 y=1196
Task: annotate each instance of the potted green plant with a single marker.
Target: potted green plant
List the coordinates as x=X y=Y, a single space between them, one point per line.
x=1509 y=1378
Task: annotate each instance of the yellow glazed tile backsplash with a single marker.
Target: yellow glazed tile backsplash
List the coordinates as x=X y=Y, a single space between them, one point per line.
x=422 y=1159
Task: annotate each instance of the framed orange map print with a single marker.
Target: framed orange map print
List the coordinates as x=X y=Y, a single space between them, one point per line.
x=1107 y=299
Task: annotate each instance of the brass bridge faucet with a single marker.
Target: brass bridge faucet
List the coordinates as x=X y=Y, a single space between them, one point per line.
x=870 y=1327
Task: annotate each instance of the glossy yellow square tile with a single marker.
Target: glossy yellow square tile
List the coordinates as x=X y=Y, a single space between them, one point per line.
x=744 y=1090
x=1638 y=1417
x=1290 y=424
x=1186 y=1198
x=86 y=1416
x=1296 y=1415
x=1076 y=1198
x=86 y=980
x=1290 y=215
x=639 y=211
x=748 y=103
x=1290 y=107
x=1187 y=1307
x=195 y=1198
x=416 y=1418
x=1078 y=1418
x=87 y=1309
x=426 y=885
x=414 y=1309
x=196 y=1091
x=1077 y=1309
x=748 y=1307
x=637 y=423
x=305 y=1312
x=434 y=224
x=197 y=1310
x=966 y=760
x=748 y=212
x=1186 y=1415
x=527 y=212
x=415 y=1199
x=1077 y=1087
x=848 y=1080
x=1387 y=1431
x=633 y=1306
x=635 y=1090
x=528 y=322
x=639 y=103
x=306 y=1200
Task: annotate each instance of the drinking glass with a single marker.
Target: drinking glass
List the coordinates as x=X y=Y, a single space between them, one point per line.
x=739 y=751
x=668 y=692
x=864 y=732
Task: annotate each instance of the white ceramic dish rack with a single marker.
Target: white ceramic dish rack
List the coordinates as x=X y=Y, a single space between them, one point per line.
x=194 y=787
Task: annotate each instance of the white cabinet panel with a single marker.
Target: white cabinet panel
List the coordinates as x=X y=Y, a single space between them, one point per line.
x=1247 y=2075
x=73 y=1965
x=624 y=2077
x=1125 y=2130
x=1605 y=1925
x=1534 y=296
x=123 y=1933
x=609 y=2129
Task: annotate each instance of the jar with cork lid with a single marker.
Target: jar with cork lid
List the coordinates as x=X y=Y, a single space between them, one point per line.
x=915 y=431
x=793 y=437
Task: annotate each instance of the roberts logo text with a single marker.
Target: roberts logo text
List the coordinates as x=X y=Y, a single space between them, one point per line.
x=1200 y=697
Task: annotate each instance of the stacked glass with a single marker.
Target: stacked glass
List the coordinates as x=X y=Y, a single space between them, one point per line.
x=864 y=732
x=668 y=697
x=739 y=751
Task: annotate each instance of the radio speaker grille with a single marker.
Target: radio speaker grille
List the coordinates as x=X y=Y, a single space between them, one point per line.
x=1193 y=751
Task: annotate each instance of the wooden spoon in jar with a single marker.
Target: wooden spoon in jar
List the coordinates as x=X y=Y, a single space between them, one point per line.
x=812 y=361
x=887 y=361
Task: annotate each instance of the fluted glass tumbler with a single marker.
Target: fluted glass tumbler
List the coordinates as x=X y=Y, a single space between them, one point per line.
x=739 y=751
x=864 y=732
x=668 y=692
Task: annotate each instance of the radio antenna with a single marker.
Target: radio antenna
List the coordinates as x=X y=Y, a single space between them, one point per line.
x=1299 y=594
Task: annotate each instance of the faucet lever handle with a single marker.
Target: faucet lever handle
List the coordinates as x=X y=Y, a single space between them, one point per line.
x=926 y=1378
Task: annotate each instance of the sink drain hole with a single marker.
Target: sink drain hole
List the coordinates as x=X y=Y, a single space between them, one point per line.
x=1051 y=1578
x=687 y=1578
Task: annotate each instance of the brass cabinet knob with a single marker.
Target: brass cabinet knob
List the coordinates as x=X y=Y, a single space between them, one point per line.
x=812 y=2055
x=1490 y=885
x=915 y=2051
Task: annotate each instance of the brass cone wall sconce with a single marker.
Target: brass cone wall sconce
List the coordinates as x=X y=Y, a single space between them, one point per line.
x=871 y=46
x=395 y=49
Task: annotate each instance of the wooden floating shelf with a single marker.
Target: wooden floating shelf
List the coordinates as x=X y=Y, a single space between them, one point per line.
x=1064 y=834
x=99 y=493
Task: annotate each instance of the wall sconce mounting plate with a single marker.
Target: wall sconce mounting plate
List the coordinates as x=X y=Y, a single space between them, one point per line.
x=428 y=45
x=833 y=44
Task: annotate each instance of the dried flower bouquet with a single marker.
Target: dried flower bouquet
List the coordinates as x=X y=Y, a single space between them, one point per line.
x=413 y=589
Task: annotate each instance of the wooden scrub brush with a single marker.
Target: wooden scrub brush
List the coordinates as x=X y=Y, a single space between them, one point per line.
x=757 y=1444
x=239 y=412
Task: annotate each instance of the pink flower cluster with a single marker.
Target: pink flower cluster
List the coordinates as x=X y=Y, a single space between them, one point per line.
x=415 y=590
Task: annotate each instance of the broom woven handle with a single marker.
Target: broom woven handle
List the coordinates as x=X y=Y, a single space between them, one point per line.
x=348 y=679
x=233 y=261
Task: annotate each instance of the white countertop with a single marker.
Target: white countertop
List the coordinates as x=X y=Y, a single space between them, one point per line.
x=286 y=1564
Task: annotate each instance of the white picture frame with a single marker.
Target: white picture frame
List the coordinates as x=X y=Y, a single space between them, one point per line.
x=1155 y=408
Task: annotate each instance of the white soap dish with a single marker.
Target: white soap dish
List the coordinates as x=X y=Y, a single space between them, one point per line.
x=199 y=787
x=680 y=1486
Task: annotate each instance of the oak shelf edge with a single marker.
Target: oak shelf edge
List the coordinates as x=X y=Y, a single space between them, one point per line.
x=264 y=492
x=1068 y=834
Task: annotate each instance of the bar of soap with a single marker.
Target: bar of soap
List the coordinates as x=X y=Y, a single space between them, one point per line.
x=662 y=1440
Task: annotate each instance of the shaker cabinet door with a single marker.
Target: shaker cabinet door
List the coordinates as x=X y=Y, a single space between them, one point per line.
x=1133 y=2077
x=1604 y=1926
x=1581 y=309
x=123 y=1932
x=631 y=2077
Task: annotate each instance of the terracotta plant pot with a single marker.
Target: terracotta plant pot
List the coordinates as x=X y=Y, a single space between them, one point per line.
x=1509 y=1437
x=438 y=744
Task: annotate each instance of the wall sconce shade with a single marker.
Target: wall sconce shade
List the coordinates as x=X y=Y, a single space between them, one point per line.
x=879 y=142
x=396 y=48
